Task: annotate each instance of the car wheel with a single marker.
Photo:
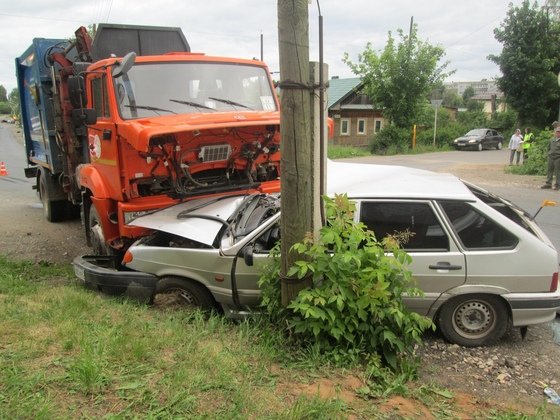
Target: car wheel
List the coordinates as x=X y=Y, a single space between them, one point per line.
x=499 y=146
x=479 y=147
x=176 y=292
x=474 y=320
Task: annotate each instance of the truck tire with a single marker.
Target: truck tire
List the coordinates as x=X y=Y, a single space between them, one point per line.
x=97 y=238
x=54 y=210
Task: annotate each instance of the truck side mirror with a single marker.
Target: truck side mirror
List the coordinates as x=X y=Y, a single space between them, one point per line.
x=84 y=116
x=125 y=65
x=77 y=91
x=248 y=255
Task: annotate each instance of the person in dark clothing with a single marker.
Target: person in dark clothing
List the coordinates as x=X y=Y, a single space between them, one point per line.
x=553 y=162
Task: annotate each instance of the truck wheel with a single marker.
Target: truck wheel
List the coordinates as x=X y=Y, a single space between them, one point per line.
x=177 y=292
x=98 y=243
x=54 y=210
x=474 y=320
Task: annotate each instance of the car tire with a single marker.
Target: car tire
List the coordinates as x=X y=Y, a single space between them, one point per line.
x=474 y=320
x=499 y=146
x=177 y=292
x=479 y=147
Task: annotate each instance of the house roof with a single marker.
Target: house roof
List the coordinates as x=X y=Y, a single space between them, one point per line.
x=341 y=88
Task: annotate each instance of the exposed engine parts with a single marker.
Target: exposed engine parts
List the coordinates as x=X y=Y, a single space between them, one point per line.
x=204 y=161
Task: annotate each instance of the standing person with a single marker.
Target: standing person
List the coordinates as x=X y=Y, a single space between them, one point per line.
x=514 y=146
x=553 y=163
x=527 y=143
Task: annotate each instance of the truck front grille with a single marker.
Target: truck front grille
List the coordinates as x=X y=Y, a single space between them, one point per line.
x=215 y=153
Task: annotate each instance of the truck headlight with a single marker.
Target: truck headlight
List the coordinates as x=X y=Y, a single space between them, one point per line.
x=129 y=216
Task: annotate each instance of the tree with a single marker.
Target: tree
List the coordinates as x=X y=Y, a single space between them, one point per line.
x=3 y=93
x=13 y=100
x=468 y=93
x=529 y=62
x=399 y=78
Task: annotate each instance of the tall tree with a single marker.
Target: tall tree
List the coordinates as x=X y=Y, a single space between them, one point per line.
x=529 y=63
x=3 y=93
x=13 y=100
x=399 y=78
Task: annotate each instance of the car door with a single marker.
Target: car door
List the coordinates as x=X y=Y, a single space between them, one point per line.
x=437 y=262
x=251 y=259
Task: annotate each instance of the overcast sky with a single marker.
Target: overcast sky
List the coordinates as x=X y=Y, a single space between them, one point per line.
x=233 y=27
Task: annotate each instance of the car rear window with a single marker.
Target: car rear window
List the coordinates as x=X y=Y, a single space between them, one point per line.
x=475 y=230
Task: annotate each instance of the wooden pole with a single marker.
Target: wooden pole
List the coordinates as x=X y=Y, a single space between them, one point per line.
x=296 y=164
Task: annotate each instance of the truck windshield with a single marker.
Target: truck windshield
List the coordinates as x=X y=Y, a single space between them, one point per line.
x=153 y=89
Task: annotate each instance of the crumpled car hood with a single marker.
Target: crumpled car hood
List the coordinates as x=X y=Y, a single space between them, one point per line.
x=200 y=220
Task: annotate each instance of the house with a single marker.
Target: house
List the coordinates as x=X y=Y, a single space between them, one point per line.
x=355 y=118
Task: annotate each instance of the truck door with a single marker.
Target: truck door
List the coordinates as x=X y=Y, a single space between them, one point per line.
x=102 y=144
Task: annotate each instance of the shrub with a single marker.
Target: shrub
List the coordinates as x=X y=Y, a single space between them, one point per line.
x=354 y=310
x=391 y=140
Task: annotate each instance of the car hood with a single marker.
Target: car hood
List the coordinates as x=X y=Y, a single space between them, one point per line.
x=200 y=220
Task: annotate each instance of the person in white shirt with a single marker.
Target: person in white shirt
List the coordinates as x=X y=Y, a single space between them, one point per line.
x=515 y=147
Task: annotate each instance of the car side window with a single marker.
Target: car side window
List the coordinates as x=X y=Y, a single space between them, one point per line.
x=475 y=230
x=387 y=218
x=266 y=241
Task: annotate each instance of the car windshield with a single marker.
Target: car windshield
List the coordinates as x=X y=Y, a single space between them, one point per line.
x=476 y=132
x=153 y=89
x=252 y=213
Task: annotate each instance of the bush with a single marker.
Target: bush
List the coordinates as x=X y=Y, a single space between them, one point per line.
x=5 y=108
x=354 y=310
x=391 y=140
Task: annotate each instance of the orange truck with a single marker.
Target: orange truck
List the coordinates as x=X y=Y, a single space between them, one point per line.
x=131 y=120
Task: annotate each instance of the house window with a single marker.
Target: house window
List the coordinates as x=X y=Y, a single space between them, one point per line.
x=377 y=126
x=361 y=126
x=344 y=127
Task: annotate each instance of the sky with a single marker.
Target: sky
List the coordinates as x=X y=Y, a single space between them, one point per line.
x=234 y=27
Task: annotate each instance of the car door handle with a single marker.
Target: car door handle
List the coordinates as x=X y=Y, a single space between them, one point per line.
x=444 y=266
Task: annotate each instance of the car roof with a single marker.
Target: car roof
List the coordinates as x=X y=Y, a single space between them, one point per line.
x=388 y=181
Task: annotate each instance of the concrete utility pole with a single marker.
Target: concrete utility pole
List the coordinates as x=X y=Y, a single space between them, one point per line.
x=297 y=166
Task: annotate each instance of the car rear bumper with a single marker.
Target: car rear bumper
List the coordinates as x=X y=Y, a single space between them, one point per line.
x=96 y=272
x=533 y=308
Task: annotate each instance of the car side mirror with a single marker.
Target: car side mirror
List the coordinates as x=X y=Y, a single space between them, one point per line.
x=248 y=255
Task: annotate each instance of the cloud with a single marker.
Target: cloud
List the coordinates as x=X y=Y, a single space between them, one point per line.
x=233 y=27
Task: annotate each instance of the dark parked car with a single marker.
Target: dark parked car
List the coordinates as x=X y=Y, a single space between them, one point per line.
x=478 y=139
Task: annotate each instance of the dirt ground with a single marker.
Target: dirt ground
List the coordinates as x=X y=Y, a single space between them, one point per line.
x=511 y=374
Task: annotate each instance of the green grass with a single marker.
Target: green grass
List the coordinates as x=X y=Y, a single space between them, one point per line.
x=340 y=152
x=67 y=352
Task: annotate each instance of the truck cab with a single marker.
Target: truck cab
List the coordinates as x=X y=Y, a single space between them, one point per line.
x=138 y=126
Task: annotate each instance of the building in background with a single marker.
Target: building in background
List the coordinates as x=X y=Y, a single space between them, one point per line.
x=355 y=118
x=485 y=91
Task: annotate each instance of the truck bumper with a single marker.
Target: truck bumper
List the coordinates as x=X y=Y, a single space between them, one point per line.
x=96 y=272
